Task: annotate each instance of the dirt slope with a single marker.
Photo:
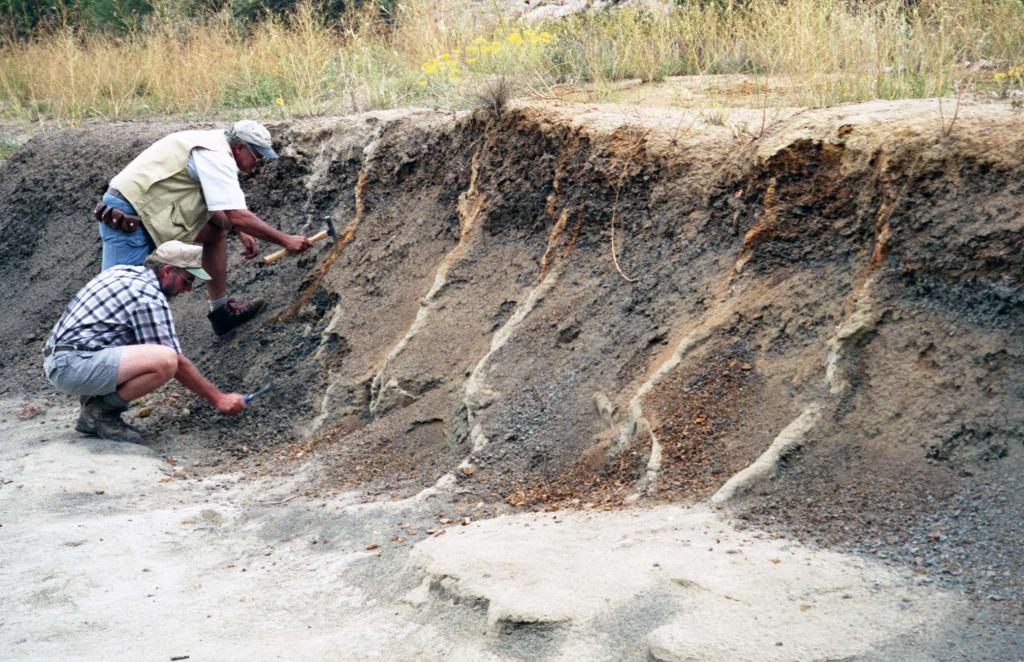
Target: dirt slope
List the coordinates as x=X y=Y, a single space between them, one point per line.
x=816 y=320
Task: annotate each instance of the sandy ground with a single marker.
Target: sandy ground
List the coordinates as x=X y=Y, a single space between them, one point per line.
x=109 y=552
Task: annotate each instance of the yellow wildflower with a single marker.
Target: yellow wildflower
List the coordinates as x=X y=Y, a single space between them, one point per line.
x=279 y=101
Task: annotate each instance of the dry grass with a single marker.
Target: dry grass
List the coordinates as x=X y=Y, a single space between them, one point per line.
x=494 y=96
x=829 y=51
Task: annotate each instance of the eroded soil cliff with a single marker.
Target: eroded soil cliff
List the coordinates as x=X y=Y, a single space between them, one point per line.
x=814 y=319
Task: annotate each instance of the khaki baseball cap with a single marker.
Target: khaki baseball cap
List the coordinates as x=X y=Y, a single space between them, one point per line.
x=179 y=254
x=255 y=135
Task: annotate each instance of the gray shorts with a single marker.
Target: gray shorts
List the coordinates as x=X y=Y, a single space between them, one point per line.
x=84 y=373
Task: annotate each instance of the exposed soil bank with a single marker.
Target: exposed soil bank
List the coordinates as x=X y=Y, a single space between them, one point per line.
x=815 y=320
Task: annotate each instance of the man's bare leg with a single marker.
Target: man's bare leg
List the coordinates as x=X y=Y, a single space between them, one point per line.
x=141 y=370
x=144 y=368
x=215 y=259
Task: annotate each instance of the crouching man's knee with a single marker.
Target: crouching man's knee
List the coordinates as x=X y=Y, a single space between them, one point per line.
x=152 y=364
x=166 y=363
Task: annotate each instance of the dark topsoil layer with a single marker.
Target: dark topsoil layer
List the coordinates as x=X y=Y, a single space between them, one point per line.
x=477 y=298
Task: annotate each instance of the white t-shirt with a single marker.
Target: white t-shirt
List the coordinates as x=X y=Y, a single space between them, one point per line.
x=217 y=173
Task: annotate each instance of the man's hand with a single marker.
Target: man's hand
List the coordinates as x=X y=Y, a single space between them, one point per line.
x=230 y=403
x=296 y=243
x=243 y=220
x=250 y=247
x=193 y=380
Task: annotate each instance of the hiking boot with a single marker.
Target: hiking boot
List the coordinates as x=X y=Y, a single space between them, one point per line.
x=234 y=314
x=98 y=418
x=82 y=399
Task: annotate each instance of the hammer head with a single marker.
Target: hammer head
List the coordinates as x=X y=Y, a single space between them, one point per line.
x=331 y=232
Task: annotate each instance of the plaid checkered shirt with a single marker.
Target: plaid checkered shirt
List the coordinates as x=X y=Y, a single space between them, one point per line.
x=121 y=306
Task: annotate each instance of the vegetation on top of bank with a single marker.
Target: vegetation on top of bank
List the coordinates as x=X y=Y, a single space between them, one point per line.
x=136 y=58
x=22 y=18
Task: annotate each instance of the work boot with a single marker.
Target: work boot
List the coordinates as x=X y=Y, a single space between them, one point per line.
x=103 y=420
x=234 y=314
x=82 y=399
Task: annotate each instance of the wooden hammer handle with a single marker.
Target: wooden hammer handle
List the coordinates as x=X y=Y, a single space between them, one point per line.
x=277 y=255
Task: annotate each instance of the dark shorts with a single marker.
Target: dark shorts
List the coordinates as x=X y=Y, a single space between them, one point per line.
x=84 y=373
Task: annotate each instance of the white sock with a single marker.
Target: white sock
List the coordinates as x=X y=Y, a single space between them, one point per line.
x=217 y=303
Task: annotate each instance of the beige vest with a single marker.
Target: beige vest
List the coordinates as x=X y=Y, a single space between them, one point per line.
x=157 y=184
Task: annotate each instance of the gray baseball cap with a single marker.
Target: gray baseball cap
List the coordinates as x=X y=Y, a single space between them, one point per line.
x=255 y=135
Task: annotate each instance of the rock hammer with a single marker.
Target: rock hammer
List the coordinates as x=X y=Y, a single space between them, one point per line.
x=323 y=234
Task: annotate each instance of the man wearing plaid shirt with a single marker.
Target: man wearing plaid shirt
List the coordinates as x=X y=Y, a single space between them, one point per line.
x=116 y=342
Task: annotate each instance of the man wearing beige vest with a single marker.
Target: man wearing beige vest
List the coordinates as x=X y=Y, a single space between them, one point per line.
x=185 y=187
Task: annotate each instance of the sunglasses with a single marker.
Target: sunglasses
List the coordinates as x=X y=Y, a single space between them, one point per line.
x=255 y=154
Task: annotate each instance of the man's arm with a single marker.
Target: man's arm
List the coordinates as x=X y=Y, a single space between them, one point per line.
x=218 y=176
x=250 y=247
x=193 y=380
x=245 y=221
x=152 y=324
